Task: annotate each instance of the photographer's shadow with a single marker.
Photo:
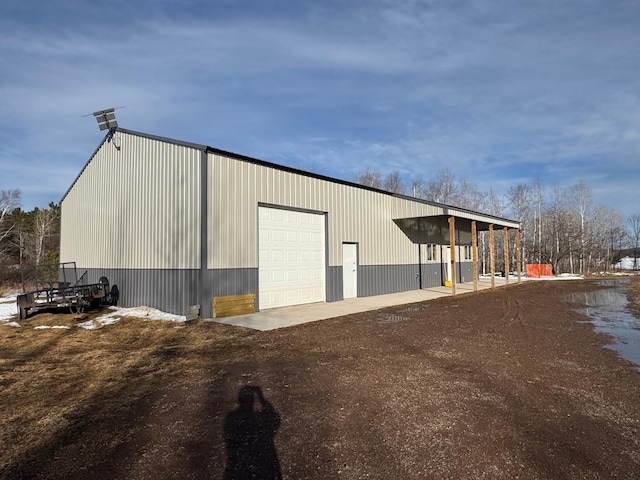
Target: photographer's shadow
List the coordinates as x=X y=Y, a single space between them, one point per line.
x=249 y=432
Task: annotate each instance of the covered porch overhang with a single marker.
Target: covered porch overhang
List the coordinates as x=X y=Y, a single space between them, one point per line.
x=435 y=228
x=453 y=228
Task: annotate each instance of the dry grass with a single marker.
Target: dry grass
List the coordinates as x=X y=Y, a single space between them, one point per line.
x=495 y=385
x=49 y=377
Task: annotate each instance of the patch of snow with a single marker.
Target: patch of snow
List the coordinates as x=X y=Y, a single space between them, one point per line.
x=562 y=276
x=142 y=312
x=8 y=310
x=47 y=327
x=88 y=325
x=569 y=276
x=98 y=322
x=116 y=313
x=626 y=263
x=523 y=277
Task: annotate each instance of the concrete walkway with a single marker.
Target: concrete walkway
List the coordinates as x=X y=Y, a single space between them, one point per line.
x=289 y=316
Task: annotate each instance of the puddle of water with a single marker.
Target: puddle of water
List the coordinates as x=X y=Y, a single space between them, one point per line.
x=608 y=312
x=607 y=300
x=613 y=282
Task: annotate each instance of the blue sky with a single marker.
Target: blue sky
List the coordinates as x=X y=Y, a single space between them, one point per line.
x=499 y=92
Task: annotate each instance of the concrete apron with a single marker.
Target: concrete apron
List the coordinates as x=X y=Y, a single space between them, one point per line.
x=298 y=314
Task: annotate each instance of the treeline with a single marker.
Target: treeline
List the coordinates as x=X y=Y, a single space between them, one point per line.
x=559 y=226
x=26 y=238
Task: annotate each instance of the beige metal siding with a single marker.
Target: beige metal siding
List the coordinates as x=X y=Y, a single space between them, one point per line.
x=353 y=214
x=137 y=207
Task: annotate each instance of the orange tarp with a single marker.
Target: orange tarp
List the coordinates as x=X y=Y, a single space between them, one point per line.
x=537 y=270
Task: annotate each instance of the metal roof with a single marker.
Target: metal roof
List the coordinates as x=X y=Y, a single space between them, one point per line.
x=483 y=219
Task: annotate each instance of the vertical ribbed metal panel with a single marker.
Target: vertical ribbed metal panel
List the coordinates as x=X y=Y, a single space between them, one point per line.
x=335 y=289
x=168 y=290
x=135 y=214
x=227 y=282
x=354 y=214
x=431 y=275
x=382 y=279
x=464 y=271
x=136 y=207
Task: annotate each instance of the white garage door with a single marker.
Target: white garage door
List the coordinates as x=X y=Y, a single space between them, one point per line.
x=291 y=267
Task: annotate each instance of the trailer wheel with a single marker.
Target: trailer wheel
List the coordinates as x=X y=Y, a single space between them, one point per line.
x=114 y=294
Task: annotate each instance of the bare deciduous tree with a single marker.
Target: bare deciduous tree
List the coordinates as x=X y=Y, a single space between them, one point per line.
x=605 y=227
x=469 y=196
x=538 y=193
x=558 y=225
x=580 y=196
x=45 y=221
x=634 y=227
x=418 y=188
x=370 y=178
x=9 y=200
x=443 y=188
x=393 y=183
x=556 y=242
x=520 y=204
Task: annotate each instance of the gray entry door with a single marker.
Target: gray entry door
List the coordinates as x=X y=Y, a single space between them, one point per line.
x=350 y=270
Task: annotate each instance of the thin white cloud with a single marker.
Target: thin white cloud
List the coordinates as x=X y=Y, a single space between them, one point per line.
x=505 y=89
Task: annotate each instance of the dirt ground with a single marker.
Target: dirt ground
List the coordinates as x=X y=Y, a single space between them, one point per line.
x=510 y=383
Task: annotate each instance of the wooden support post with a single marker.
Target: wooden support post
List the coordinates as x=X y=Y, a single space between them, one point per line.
x=505 y=231
x=452 y=244
x=518 y=254
x=492 y=257
x=420 y=266
x=474 y=254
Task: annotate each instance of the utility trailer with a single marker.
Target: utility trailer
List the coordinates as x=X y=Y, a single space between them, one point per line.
x=41 y=291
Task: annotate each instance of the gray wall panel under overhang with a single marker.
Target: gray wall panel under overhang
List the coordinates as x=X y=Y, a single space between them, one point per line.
x=431 y=275
x=464 y=272
x=383 y=279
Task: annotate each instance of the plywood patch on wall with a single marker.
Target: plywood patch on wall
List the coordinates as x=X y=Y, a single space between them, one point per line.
x=232 y=305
